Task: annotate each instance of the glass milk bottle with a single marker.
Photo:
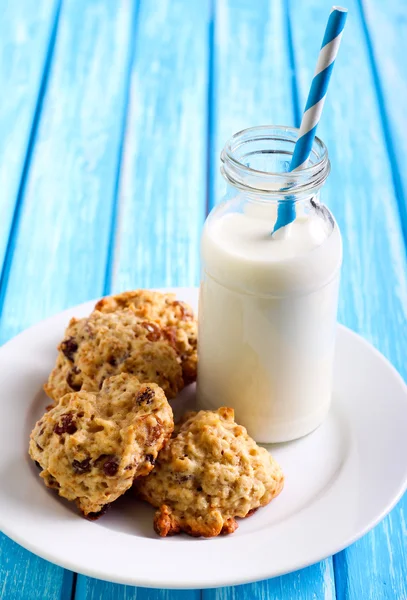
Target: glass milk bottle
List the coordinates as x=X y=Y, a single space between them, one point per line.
x=268 y=301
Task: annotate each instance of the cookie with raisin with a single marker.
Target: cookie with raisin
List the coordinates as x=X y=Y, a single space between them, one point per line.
x=107 y=344
x=176 y=319
x=90 y=447
x=209 y=473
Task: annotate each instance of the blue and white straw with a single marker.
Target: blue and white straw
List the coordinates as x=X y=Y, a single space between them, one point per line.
x=315 y=104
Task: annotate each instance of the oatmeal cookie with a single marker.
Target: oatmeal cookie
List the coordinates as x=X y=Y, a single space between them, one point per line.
x=175 y=317
x=107 y=344
x=208 y=473
x=91 y=447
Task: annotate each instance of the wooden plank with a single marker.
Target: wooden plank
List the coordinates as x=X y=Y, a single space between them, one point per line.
x=94 y=589
x=307 y=584
x=163 y=185
x=26 y=34
x=253 y=85
x=62 y=245
x=386 y=35
x=61 y=242
x=162 y=194
x=25 y=576
x=361 y=194
x=252 y=74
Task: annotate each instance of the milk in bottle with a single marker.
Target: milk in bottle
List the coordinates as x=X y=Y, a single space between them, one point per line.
x=268 y=301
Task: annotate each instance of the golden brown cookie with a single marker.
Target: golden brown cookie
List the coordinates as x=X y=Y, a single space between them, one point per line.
x=208 y=473
x=106 y=344
x=176 y=319
x=91 y=447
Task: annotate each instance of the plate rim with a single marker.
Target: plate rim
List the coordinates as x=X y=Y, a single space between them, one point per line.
x=138 y=579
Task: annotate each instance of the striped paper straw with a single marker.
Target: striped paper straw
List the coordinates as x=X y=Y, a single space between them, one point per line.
x=315 y=104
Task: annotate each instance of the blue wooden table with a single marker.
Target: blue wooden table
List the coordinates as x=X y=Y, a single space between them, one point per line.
x=112 y=117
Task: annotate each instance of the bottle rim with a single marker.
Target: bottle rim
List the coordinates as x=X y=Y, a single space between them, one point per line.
x=243 y=176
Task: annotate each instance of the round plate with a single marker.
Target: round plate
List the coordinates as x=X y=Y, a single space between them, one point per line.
x=340 y=480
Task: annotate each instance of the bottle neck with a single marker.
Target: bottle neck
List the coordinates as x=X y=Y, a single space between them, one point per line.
x=261 y=198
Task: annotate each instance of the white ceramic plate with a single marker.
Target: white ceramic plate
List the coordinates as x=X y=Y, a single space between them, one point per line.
x=341 y=480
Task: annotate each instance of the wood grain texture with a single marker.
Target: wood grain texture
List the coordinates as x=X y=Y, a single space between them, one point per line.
x=386 y=29
x=62 y=243
x=252 y=77
x=163 y=184
x=313 y=583
x=94 y=589
x=25 y=32
x=253 y=86
x=60 y=246
x=361 y=194
x=24 y=576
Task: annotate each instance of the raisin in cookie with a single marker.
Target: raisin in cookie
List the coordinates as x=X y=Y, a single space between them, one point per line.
x=210 y=472
x=90 y=447
x=175 y=317
x=107 y=344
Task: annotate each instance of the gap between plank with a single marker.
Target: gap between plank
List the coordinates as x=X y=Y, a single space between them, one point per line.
x=293 y=67
x=340 y=563
x=11 y=242
x=394 y=168
x=73 y=588
x=115 y=208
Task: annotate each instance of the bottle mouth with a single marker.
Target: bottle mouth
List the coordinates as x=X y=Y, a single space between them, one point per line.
x=258 y=160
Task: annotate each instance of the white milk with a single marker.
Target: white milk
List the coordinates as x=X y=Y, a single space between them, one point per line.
x=267 y=312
